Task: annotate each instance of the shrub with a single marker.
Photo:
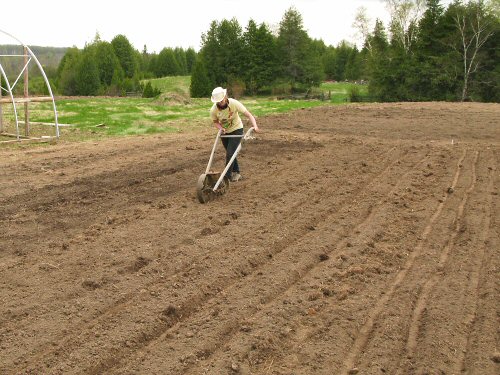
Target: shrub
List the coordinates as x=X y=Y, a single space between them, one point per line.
x=355 y=94
x=150 y=92
x=236 y=87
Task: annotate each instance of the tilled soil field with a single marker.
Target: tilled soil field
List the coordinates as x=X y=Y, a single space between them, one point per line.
x=363 y=239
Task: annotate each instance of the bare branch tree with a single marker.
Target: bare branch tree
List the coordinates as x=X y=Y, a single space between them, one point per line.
x=404 y=16
x=362 y=25
x=474 y=30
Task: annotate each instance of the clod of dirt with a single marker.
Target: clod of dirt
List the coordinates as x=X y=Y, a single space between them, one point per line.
x=311 y=227
x=495 y=357
x=450 y=190
x=206 y=231
x=327 y=292
x=233 y=215
x=91 y=285
x=353 y=371
x=47 y=267
x=313 y=297
x=323 y=257
x=245 y=329
x=140 y=262
x=235 y=367
x=171 y=312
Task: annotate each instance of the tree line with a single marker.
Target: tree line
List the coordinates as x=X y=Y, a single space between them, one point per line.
x=115 y=68
x=433 y=53
x=427 y=52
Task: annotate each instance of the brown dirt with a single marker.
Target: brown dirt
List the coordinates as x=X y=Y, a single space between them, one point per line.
x=362 y=240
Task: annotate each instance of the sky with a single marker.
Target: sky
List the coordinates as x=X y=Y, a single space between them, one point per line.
x=164 y=23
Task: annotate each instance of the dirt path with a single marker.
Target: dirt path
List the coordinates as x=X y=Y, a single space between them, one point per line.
x=363 y=239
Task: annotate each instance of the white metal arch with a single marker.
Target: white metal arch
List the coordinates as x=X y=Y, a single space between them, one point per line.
x=10 y=87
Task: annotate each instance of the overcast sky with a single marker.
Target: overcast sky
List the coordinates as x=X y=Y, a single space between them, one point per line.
x=163 y=23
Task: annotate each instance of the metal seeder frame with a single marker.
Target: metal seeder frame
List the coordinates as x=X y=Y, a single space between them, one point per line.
x=211 y=184
x=29 y=56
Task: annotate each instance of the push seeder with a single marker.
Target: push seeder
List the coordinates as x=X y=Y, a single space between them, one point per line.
x=212 y=184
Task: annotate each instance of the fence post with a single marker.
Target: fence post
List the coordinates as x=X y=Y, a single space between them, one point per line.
x=26 y=108
x=1 y=113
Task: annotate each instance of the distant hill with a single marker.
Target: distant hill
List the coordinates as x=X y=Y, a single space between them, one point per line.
x=49 y=57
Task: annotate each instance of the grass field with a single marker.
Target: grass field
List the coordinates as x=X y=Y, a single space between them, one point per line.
x=339 y=91
x=176 y=84
x=172 y=111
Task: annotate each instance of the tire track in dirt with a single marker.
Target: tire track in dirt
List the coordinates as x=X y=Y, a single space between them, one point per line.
x=474 y=283
x=430 y=284
x=358 y=231
x=277 y=247
x=365 y=331
x=289 y=279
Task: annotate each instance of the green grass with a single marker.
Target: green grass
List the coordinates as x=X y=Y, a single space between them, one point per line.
x=96 y=117
x=177 y=84
x=339 y=91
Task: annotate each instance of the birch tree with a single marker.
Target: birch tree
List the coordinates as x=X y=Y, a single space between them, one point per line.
x=405 y=15
x=362 y=24
x=473 y=26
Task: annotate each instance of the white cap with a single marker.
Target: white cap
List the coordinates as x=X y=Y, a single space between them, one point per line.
x=218 y=94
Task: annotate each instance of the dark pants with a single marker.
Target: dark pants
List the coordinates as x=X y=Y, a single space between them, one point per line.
x=231 y=144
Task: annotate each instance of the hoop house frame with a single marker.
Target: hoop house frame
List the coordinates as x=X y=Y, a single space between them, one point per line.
x=29 y=56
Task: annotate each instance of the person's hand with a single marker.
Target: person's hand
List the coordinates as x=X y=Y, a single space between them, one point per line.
x=256 y=129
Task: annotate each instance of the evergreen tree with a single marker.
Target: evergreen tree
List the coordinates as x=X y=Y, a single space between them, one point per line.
x=149 y=91
x=126 y=55
x=180 y=57
x=329 y=60
x=201 y=84
x=230 y=52
x=209 y=54
x=66 y=72
x=87 y=75
x=153 y=65
x=300 y=62
x=343 y=52
x=166 y=64
x=427 y=78
x=190 y=59
x=260 y=57
x=353 y=65
x=380 y=82
x=107 y=62
x=222 y=52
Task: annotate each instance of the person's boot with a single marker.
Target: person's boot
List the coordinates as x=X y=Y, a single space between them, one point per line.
x=235 y=176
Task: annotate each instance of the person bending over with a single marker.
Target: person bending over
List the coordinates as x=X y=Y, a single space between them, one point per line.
x=225 y=116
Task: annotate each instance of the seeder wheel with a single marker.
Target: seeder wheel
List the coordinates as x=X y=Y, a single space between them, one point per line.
x=205 y=186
